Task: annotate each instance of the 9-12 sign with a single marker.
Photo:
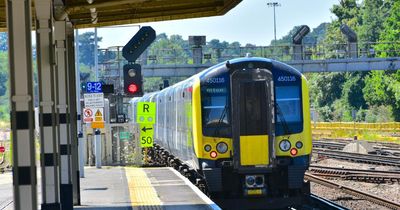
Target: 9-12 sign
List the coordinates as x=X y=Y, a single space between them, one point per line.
x=94 y=87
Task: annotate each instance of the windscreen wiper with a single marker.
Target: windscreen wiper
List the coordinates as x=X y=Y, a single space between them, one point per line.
x=220 y=120
x=282 y=118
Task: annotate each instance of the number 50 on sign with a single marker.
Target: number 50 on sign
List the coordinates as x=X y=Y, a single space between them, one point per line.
x=146 y=135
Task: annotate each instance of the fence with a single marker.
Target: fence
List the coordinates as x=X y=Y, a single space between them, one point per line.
x=373 y=131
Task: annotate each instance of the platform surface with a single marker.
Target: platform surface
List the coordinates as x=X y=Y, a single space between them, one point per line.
x=128 y=188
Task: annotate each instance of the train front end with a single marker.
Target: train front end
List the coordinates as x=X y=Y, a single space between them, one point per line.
x=248 y=108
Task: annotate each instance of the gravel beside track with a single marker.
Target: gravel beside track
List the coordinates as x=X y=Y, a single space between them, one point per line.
x=388 y=191
x=381 y=201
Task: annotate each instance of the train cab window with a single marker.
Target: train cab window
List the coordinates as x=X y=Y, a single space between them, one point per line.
x=288 y=110
x=215 y=113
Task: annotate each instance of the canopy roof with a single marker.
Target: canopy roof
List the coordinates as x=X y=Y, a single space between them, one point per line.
x=117 y=12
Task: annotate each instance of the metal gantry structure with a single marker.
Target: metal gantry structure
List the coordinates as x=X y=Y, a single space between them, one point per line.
x=304 y=57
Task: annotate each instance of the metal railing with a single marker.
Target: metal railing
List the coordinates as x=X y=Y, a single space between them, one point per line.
x=113 y=55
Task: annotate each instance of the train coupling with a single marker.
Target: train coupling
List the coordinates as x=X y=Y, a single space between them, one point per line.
x=255 y=185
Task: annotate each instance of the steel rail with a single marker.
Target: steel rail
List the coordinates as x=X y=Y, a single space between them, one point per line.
x=372 y=176
x=352 y=171
x=322 y=203
x=352 y=191
x=363 y=158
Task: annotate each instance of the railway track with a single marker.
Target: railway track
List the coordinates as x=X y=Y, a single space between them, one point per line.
x=379 y=150
x=372 y=176
x=352 y=191
x=316 y=202
x=390 y=145
x=361 y=158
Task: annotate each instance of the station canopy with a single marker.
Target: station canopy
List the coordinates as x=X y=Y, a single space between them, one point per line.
x=97 y=13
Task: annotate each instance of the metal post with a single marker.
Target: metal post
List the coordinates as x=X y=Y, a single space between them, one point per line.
x=47 y=116
x=118 y=150
x=22 y=111
x=96 y=59
x=274 y=4
x=79 y=109
x=274 y=26
x=73 y=113
x=66 y=192
x=97 y=139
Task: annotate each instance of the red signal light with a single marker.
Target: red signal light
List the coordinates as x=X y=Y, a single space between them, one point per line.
x=133 y=88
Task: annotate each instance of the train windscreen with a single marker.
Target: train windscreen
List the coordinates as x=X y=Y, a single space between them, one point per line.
x=288 y=110
x=215 y=111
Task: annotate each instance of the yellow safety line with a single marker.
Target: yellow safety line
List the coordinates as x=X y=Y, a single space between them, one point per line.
x=142 y=193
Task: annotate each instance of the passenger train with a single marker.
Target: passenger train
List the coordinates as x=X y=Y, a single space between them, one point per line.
x=240 y=130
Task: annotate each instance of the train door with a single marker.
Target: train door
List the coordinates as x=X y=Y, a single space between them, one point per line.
x=252 y=119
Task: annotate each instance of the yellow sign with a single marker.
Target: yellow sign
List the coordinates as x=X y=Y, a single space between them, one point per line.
x=98 y=124
x=146 y=135
x=98 y=116
x=98 y=113
x=146 y=113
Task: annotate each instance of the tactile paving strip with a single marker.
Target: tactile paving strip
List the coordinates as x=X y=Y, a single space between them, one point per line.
x=142 y=193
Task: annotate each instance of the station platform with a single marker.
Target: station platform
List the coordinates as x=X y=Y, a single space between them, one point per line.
x=129 y=188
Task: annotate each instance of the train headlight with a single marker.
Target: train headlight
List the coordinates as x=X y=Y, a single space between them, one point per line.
x=299 y=144
x=260 y=180
x=285 y=145
x=250 y=180
x=207 y=147
x=222 y=147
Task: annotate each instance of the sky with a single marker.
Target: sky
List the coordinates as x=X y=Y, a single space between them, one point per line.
x=252 y=21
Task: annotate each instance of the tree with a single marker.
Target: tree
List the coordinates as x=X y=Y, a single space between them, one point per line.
x=86 y=48
x=390 y=33
x=372 y=18
x=3 y=41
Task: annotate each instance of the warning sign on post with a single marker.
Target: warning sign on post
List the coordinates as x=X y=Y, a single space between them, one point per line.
x=98 y=116
x=87 y=115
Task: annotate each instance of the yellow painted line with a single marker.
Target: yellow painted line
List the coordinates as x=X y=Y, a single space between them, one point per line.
x=142 y=193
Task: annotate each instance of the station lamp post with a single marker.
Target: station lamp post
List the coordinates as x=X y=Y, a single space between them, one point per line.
x=274 y=4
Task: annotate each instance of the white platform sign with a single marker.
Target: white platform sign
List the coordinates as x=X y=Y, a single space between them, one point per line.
x=94 y=100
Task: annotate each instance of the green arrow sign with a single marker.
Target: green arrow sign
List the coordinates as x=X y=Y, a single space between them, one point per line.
x=146 y=135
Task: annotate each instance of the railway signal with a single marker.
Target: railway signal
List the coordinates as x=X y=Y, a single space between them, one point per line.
x=133 y=84
x=138 y=43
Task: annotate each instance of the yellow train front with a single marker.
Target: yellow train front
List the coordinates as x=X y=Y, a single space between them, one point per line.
x=240 y=130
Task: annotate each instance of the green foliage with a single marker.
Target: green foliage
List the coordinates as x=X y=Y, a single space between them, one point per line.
x=390 y=33
x=3 y=41
x=86 y=48
x=4 y=99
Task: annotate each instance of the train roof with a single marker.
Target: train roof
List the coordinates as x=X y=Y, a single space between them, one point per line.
x=251 y=62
